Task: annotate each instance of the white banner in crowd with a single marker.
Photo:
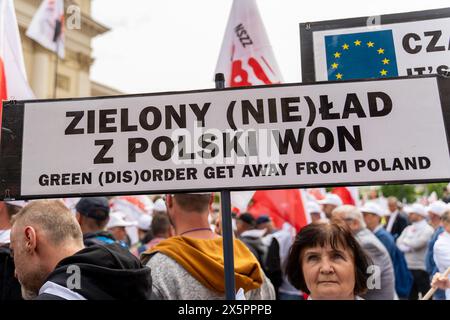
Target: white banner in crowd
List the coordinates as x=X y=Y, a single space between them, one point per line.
x=295 y=135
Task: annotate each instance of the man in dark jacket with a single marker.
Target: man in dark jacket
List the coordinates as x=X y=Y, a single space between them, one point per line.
x=397 y=220
x=9 y=286
x=93 y=216
x=52 y=263
x=252 y=237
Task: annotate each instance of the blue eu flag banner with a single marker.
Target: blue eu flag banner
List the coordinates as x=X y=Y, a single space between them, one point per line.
x=361 y=55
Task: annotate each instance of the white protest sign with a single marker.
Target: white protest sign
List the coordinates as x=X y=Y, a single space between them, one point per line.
x=291 y=135
x=416 y=43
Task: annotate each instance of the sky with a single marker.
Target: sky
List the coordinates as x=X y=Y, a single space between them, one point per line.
x=173 y=45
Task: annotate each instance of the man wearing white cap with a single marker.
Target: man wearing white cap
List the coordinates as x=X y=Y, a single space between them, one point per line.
x=413 y=242
x=314 y=211
x=116 y=225
x=9 y=286
x=435 y=212
x=144 y=232
x=160 y=207
x=330 y=202
x=373 y=214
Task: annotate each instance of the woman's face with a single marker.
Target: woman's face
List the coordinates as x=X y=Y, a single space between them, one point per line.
x=329 y=274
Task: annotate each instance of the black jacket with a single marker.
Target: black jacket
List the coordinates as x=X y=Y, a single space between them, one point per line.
x=98 y=238
x=400 y=223
x=9 y=285
x=107 y=272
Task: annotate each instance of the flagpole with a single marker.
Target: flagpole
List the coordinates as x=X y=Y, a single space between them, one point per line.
x=227 y=228
x=56 y=70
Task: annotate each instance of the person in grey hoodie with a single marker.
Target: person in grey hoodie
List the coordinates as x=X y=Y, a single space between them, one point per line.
x=382 y=279
x=413 y=242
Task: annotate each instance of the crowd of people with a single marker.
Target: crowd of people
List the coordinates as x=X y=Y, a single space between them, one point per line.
x=170 y=247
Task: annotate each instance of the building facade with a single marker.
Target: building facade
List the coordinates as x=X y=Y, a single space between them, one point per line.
x=73 y=72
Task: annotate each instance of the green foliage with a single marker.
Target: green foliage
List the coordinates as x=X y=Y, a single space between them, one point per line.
x=436 y=187
x=401 y=191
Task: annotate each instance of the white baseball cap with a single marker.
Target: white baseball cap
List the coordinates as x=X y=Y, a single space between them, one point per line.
x=117 y=219
x=331 y=198
x=372 y=207
x=144 y=222
x=419 y=209
x=312 y=206
x=437 y=207
x=160 y=205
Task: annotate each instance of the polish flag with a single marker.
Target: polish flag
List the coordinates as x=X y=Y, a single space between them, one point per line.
x=246 y=57
x=348 y=195
x=316 y=193
x=13 y=78
x=281 y=205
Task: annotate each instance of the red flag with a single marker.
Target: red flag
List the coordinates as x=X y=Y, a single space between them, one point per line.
x=3 y=92
x=348 y=195
x=281 y=205
x=317 y=193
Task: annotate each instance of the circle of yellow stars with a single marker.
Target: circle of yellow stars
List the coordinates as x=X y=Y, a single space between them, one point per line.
x=357 y=43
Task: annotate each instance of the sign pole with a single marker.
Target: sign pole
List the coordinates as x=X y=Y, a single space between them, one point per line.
x=227 y=229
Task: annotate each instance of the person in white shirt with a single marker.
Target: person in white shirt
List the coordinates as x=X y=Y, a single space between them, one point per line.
x=441 y=253
x=413 y=242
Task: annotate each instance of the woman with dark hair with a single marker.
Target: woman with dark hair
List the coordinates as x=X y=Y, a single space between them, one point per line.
x=327 y=263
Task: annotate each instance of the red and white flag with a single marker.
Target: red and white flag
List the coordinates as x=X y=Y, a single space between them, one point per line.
x=47 y=26
x=13 y=78
x=246 y=57
x=281 y=205
x=348 y=195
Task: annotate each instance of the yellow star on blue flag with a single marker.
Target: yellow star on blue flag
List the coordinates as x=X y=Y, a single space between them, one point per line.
x=375 y=59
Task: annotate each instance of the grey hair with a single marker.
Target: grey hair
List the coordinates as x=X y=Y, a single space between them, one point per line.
x=351 y=212
x=54 y=218
x=446 y=216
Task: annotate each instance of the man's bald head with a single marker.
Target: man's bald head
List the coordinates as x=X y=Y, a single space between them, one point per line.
x=53 y=218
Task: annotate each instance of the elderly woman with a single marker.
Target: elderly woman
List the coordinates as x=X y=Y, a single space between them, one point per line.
x=327 y=263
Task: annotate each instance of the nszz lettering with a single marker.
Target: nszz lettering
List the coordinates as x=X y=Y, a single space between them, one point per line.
x=243 y=36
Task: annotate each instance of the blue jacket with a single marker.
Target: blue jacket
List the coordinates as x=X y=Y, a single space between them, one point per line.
x=429 y=261
x=430 y=264
x=403 y=277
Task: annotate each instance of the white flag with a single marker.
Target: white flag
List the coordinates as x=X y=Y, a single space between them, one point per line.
x=13 y=78
x=47 y=26
x=246 y=57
